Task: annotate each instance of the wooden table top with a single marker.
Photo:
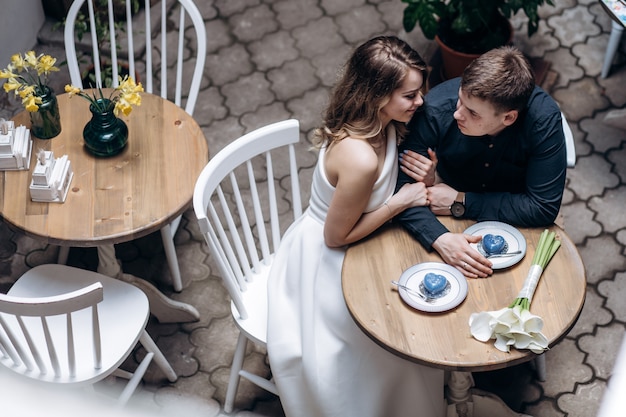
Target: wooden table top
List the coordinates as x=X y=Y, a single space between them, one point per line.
x=443 y=340
x=114 y=199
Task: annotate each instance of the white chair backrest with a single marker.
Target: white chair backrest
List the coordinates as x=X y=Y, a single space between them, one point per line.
x=41 y=334
x=242 y=187
x=148 y=47
x=570 y=146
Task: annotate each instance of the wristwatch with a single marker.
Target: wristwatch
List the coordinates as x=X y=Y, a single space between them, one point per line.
x=458 y=207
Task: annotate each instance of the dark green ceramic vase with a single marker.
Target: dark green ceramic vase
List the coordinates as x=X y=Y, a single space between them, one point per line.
x=45 y=123
x=105 y=134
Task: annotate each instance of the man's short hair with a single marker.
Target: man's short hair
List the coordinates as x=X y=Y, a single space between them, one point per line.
x=501 y=76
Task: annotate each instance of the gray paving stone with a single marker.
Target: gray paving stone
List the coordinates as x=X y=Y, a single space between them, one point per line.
x=273 y=50
x=294 y=13
x=317 y=37
x=615 y=294
x=360 y=24
x=593 y=314
x=591 y=54
x=230 y=7
x=228 y=64
x=602 y=348
x=539 y=43
x=579 y=222
x=608 y=208
x=573 y=25
x=253 y=23
x=566 y=65
x=248 y=93
x=601 y=256
x=586 y=90
x=218 y=35
x=601 y=136
x=293 y=79
x=591 y=177
x=565 y=367
x=584 y=401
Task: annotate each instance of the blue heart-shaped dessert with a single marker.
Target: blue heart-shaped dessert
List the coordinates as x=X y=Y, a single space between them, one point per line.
x=434 y=283
x=493 y=244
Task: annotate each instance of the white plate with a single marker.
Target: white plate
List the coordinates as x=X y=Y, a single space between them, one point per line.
x=514 y=239
x=413 y=277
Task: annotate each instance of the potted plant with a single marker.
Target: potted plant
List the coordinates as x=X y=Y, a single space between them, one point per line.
x=468 y=27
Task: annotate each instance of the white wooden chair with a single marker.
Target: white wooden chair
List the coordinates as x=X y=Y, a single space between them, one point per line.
x=236 y=193
x=540 y=361
x=570 y=146
x=146 y=47
x=71 y=327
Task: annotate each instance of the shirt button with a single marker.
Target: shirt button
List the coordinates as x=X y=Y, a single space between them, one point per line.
x=483 y=185
x=490 y=145
x=487 y=165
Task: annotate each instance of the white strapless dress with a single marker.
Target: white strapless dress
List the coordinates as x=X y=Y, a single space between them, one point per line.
x=323 y=364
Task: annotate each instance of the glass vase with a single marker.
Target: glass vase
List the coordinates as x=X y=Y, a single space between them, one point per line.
x=105 y=134
x=45 y=123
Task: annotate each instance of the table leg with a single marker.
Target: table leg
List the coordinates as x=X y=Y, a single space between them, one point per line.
x=162 y=307
x=614 y=40
x=464 y=401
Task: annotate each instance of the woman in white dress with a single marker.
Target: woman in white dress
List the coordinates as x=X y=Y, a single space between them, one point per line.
x=323 y=364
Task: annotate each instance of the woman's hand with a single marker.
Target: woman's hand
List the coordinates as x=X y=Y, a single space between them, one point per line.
x=418 y=167
x=410 y=195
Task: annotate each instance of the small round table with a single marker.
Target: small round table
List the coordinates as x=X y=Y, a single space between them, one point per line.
x=443 y=340
x=114 y=199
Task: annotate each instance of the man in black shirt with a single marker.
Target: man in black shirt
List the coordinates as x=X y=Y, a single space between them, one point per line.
x=490 y=146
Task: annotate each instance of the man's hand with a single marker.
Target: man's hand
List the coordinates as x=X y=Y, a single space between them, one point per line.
x=418 y=167
x=441 y=197
x=455 y=250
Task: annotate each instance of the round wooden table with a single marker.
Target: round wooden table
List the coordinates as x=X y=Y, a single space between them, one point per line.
x=443 y=340
x=113 y=199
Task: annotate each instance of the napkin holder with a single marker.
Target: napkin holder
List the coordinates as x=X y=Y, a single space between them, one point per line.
x=7 y=135
x=15 y=146
x=51 y=178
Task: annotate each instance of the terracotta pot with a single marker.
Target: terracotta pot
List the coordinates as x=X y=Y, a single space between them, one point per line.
x=454 y=62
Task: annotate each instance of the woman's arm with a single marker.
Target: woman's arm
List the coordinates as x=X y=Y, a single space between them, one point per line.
x=352 y=167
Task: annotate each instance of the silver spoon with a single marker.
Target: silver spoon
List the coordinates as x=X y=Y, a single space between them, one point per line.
x=413 y=291
x=503 y=255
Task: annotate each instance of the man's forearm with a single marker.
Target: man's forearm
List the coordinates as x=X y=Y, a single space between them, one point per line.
x=422 y=224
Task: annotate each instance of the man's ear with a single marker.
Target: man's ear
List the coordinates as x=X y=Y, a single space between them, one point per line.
x=510 y=117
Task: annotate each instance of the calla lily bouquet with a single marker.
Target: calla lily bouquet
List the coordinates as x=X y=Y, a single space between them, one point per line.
x=121 y=98
x=515 y=325
x=27 y=76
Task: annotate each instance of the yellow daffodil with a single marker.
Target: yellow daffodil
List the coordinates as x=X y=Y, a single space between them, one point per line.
x=121 y=98
x=21 y=78
x=31 y=103
x=46 y=64
x=12 y=85
x=18 y=62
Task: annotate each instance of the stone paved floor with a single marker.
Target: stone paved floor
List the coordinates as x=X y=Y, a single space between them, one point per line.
x=275 y=59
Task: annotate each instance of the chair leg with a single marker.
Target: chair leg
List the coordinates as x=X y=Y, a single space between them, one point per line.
x=614 y=39
x=170 y=253
x=160 y=360
x=233 y=381
x=135 y=379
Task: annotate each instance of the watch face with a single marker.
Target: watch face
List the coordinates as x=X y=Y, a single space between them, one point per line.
x=457 y=209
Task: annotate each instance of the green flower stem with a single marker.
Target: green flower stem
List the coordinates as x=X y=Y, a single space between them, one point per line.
x=546 y=248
